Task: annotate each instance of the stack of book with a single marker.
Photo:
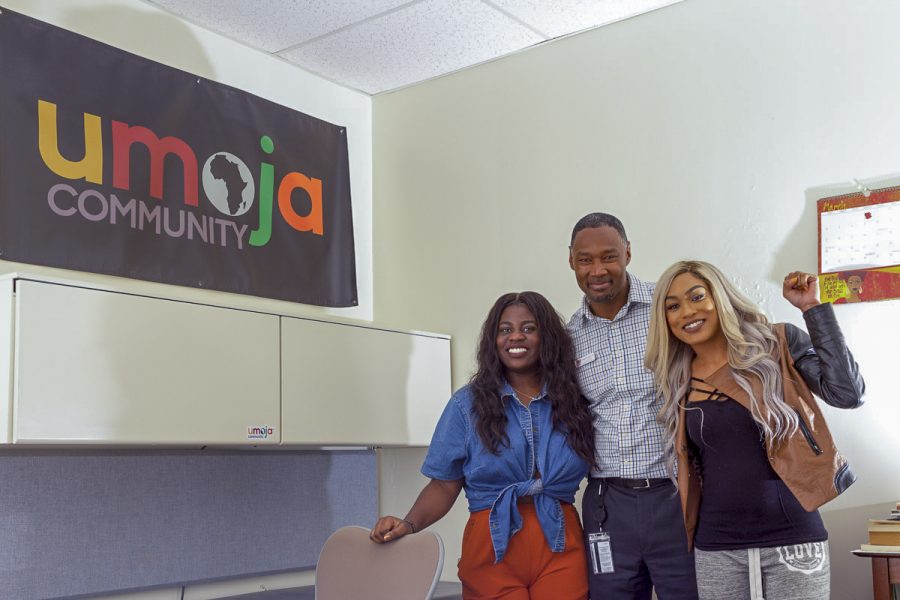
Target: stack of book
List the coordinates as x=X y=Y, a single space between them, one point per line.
x=884 y=534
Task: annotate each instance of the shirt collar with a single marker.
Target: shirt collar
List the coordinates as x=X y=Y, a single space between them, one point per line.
x=639 y=292
x=507 y=390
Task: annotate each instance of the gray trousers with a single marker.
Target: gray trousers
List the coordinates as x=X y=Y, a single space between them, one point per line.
x=795 y=572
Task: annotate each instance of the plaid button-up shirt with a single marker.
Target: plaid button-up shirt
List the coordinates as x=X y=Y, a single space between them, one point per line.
x=623 y=399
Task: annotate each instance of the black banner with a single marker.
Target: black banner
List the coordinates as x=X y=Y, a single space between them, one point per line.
x=115 y=164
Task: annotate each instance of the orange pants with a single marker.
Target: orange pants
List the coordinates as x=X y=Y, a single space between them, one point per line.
x=529 y=570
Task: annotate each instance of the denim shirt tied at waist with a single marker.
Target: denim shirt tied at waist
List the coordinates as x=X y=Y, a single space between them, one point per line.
x=496 y=481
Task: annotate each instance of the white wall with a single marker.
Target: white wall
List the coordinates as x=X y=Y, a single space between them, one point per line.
x=142 y=29
x=709 y=127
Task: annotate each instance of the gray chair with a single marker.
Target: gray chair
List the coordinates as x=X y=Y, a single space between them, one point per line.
x=351 y=566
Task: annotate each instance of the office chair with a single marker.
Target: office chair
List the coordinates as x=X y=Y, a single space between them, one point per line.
x=351 y=566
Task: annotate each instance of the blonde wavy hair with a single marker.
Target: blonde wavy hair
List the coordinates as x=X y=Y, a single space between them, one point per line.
x=752 y=355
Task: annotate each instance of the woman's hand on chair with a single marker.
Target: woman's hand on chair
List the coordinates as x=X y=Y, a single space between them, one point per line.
x=389 y=529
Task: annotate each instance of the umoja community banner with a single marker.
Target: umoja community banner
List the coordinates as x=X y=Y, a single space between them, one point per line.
x=115 y=164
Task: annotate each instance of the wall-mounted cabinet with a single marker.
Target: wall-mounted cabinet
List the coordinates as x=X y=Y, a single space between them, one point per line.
x=89 y=366
x=100 y=367
x=345 y=384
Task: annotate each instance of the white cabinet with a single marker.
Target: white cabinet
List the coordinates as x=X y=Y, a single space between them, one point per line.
x=86 y=366
x=92 y=366
x=347 y=384
x=7 y=323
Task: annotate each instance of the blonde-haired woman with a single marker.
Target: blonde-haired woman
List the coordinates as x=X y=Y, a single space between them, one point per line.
x=753 y=455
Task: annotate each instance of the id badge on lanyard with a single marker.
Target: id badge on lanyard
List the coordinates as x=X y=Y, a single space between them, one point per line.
x=599 y=543
x=601 y=553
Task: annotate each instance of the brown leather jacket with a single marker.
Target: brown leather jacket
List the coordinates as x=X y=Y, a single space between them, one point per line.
x=808 y=462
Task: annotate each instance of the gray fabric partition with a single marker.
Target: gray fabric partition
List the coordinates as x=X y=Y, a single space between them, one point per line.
x=90 y=522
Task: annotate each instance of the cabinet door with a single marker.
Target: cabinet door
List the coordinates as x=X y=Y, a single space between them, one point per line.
x=344 y=384
x=101 y=367
x=7 y=322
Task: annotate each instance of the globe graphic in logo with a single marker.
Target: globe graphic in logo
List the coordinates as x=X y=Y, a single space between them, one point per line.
x=228 y=184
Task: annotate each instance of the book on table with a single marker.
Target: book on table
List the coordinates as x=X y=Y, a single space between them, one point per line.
x=884 y=532
x=881 y=549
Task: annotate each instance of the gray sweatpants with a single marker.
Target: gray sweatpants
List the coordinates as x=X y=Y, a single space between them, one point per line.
x=796 y=572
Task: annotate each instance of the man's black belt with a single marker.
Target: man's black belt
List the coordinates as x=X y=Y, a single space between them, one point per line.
x=636 y=484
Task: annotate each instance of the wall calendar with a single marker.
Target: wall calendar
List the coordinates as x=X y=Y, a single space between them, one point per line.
x=859 y=247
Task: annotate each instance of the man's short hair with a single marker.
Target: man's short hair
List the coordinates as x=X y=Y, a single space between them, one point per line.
x=598 y=219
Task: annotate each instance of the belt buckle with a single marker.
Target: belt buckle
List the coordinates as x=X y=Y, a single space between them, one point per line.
x=645 y=486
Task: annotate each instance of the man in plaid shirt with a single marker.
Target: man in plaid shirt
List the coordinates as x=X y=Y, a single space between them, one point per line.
x=633 y=525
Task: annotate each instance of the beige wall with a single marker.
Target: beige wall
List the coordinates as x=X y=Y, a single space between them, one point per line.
x=710 y=127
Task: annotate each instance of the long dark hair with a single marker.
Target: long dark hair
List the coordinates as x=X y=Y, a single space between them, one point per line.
x=571 y=414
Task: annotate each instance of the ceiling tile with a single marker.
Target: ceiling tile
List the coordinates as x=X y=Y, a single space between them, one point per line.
x=274 y=25
x=562 y=17
x=420 y=41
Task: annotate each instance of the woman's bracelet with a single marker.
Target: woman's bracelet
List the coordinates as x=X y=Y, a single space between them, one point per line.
x=410 y=523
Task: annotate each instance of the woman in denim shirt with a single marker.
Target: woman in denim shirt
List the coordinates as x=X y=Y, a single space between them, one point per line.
x=518 y=438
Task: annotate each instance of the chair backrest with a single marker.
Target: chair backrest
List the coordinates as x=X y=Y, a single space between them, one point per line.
x=351 y=566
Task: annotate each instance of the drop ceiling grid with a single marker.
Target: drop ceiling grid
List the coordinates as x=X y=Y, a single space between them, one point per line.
x=273 y=25
x=380 y=45
x=557 y=18
x=421 y=41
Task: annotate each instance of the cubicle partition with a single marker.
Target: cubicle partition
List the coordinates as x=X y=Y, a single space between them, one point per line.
x=89 y=522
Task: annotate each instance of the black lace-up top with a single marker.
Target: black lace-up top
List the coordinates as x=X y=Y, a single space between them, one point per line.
x=744 y=503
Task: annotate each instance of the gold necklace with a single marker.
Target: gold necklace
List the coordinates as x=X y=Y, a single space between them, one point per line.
x=530 y=398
